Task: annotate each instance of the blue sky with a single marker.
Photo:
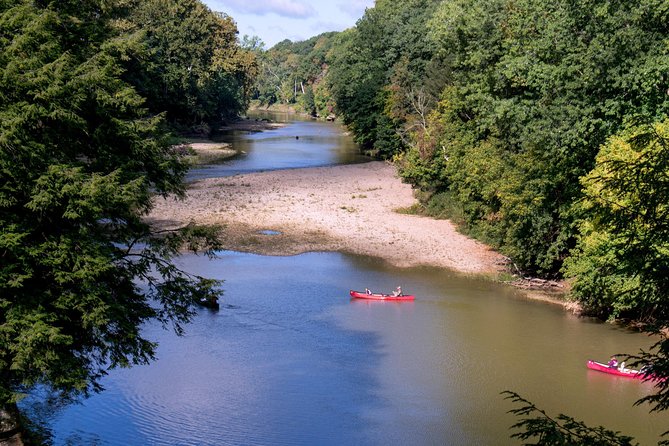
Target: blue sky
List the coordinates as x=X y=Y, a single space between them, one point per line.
x=276 y=20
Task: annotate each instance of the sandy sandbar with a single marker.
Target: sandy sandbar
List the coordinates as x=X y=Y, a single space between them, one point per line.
x=350 y=208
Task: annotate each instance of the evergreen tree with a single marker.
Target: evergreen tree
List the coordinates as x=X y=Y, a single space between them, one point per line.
x=80 y=162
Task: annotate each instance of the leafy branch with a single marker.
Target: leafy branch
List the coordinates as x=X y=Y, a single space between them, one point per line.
x=562 y=430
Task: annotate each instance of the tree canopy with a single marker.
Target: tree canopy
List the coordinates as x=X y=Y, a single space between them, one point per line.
x=84 y=148
x=187 y=62
x=495 y=110
x=377 y=68
x=293 y=73
x=621 y=264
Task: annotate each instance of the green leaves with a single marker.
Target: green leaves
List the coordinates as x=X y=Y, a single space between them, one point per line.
x=80 y=160
x=545 y=84
x=293 y=72
x=186 y=61
x=622 y=262
x=563 y=430
x=375 y=68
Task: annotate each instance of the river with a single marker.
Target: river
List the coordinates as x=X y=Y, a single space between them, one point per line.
x=290 y=359
x=303 y=143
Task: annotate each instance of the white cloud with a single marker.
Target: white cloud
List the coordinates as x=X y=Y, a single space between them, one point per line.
x=323 y=26
x=276 y=20
x=283 y=8
x=355 y=8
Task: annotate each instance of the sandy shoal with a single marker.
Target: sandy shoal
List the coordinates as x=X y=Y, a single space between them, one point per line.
x=350 y=208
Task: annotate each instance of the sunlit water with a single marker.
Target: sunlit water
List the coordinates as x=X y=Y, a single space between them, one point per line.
x=302 y=143
x=290 y=359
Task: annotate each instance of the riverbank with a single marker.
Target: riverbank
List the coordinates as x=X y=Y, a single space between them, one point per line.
x=350 y=208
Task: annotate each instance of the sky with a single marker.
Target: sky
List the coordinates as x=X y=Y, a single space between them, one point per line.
x=276 y=20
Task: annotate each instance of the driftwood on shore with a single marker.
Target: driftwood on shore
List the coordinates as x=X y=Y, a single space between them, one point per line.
x=536 y=283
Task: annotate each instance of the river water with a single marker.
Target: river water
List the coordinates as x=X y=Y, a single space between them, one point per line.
x=303 y=143
x=290 y=359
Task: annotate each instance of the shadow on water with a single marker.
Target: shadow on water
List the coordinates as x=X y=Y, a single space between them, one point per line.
x=291 y=359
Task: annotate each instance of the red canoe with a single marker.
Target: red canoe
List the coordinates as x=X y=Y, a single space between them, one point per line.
x=375 y=296
x=629 y=373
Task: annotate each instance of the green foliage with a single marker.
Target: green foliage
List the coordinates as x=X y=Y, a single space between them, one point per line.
x=621 y=265
x=80 y=162
x=563 y=430
x=533 y=89
x=376 y=70
x=292 y=72
x=186 y=61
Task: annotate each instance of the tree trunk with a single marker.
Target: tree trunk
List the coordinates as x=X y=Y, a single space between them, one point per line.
x=10 y=426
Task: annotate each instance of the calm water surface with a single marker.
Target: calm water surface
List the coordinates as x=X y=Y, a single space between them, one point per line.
x=290 y=359
x=302 y=143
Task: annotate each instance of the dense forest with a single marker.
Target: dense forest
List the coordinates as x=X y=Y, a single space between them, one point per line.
x=90 y=94
x=293 y=73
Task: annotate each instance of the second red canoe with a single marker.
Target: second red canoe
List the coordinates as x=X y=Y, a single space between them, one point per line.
x=377 y=296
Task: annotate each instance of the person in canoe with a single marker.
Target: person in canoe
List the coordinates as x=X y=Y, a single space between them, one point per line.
x=613 y=363
x=398 y=291
x=368 y=291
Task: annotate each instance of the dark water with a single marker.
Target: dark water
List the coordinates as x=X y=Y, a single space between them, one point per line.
x=290 y=359
x=302 y=143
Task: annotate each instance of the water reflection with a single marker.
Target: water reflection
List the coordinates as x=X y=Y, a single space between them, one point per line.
x=291 y=359
x=301 y=143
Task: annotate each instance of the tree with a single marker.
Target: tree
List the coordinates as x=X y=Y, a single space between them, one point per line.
x=80 y=162
x=375 y=67
x=621 y=264
x=188 y=62
x=291 y=71
x=545 y=84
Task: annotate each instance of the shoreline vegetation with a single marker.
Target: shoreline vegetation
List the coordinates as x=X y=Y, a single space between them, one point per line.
x=357 y=209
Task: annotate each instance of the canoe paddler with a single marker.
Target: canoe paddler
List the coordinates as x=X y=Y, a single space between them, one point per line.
x=613 y=363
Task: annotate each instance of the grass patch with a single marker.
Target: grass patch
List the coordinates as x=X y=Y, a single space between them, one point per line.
x=444 y=206
x=414 y=209
x=506 y=277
